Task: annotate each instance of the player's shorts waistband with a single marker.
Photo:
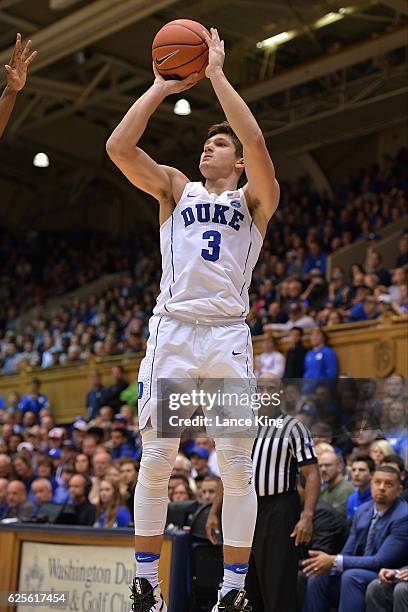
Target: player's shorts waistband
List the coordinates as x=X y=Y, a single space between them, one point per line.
x=196 y=320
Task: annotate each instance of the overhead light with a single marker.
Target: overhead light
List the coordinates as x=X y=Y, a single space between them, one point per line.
x=58 y=5
x=275 y=41
x=328 y=19
x=41 y=160
x=182 y=107
x=283 y=37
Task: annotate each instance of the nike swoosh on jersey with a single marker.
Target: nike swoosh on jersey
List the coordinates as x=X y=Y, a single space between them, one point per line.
x=234 y=353
x=161 y=60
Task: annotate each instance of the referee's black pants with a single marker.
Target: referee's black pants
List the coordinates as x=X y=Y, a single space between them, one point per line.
x=273 y=566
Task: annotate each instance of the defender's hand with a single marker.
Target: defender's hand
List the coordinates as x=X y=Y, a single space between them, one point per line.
x=19 y=63
x=216 y=53
x=173 y=86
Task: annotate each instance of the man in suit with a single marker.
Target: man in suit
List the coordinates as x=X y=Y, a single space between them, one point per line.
x=378 y=538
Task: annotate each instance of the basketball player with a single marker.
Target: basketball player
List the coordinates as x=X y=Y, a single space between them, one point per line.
x=16 y=79
x=210 y=237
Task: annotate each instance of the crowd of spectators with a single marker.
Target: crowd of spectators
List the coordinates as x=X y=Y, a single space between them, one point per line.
x=92 y=464
x=289 y=285
x=87 y=471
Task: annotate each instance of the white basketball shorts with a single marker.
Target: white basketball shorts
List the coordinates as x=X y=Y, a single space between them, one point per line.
x=181 y=350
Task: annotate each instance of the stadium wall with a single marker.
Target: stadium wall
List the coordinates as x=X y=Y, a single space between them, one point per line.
x=368 y=349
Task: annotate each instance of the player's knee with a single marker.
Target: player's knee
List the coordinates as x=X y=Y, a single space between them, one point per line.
x=236 y=471
x=155 y=467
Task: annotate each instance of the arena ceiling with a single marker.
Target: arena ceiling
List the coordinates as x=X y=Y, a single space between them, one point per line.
x=330 y=81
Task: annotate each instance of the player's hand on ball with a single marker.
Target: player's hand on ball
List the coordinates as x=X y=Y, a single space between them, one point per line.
x=18 y=66
x=216 y=53
x=172 y=86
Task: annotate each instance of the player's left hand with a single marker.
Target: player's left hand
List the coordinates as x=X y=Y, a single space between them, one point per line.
x=319 y=563
x=303 y=530
x=18 y=66
x=216 y=53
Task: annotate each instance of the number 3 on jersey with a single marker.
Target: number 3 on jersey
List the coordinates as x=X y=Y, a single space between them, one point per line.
x=214 y=241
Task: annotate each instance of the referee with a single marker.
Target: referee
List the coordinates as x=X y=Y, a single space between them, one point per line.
x=279 y=453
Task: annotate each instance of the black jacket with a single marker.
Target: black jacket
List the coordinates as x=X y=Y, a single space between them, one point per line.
x=295 y=361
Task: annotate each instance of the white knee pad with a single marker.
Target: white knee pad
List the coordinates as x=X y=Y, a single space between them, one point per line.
x=151 y=495
x=240 y=503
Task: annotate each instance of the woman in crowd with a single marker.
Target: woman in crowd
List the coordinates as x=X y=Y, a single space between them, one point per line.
x=380 y=449
x=83 y=464
x=109 y=511
x=181 y=492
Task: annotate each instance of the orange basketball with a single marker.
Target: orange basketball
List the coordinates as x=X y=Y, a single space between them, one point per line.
x=179 y=49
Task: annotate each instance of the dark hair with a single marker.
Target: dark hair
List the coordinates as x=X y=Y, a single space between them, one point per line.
x=225 y=128
x=394 y=459
x=388 y=469
x=366 y=459
x=69 y=467
x=179 y=477
x=125 y=461
x=216 y=479
x=298 y=329
x=87 y=482
x=120 y=430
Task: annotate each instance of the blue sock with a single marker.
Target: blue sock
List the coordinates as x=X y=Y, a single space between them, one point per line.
x=147 y=566
x=234 y=577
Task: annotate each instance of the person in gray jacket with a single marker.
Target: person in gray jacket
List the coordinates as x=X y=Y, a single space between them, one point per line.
x=389 y=593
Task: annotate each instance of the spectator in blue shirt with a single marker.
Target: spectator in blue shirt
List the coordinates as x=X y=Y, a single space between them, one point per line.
x=362 y=469
x=34 y=400
x=95 y=396
x=121 y=446
x=397 y=435
x=320 y=362
x=363 y=311
x=61 y=494
x=315 y=259
x=110 y=512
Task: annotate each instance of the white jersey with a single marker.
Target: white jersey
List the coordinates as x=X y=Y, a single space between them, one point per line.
x=209 y=247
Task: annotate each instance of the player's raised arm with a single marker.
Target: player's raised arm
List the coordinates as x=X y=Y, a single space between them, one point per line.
x=136 y=165
x=263 y=188
x=16 y=79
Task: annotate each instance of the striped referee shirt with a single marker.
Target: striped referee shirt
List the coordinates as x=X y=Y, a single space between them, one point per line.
x=278 y=453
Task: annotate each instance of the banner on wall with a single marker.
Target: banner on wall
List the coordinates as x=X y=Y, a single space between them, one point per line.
x=94 y=578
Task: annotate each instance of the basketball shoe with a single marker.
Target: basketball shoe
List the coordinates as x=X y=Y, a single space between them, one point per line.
x=233 y=601
x=145 y=597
